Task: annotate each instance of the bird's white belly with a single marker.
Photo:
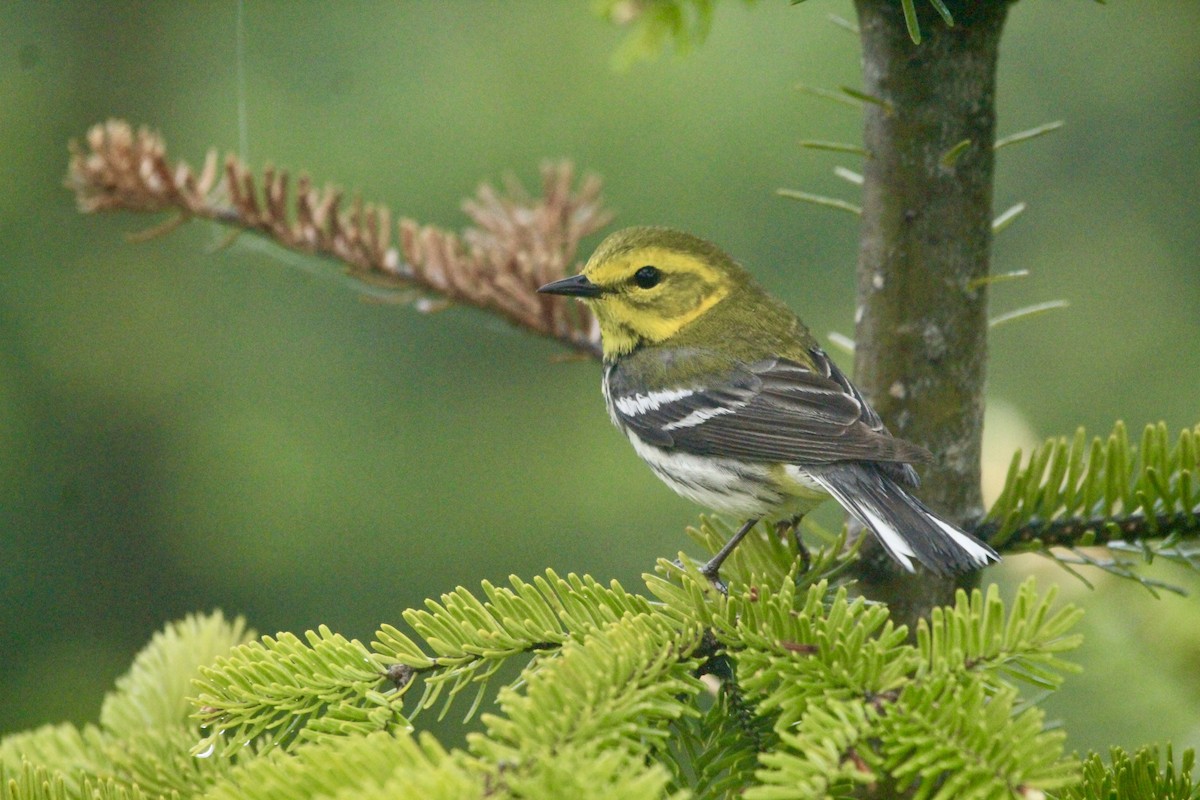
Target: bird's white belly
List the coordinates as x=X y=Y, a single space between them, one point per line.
x=730 y=486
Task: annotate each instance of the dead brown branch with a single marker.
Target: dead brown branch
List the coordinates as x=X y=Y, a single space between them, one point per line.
x=517 y=243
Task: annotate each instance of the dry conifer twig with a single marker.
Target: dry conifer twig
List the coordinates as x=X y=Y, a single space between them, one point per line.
x=517 y=243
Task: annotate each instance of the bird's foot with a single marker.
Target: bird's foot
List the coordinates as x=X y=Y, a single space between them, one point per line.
x=712 y=571
x=792 y=524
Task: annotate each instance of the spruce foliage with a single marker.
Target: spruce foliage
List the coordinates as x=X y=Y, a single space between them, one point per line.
x=1141 y=776
x=1140 y=502
x=789 y=686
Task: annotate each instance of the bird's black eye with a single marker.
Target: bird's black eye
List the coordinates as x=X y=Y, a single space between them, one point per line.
x=647 y=277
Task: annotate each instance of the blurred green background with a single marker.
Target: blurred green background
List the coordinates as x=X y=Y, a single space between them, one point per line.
x=186 y=427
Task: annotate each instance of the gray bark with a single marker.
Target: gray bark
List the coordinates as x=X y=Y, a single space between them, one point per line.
x=925 y=242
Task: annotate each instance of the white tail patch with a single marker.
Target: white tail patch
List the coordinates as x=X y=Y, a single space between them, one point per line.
x=979 y=554
x=891 y=539
x=905 y=527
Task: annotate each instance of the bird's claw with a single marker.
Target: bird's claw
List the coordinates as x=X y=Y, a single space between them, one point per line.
x=710 y=571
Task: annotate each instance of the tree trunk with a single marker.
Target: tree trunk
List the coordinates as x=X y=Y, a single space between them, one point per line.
x=925 y=244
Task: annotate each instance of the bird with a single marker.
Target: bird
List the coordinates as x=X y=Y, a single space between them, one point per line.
x=729 y=399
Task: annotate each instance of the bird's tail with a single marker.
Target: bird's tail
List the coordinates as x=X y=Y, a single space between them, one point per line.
x=905 y=526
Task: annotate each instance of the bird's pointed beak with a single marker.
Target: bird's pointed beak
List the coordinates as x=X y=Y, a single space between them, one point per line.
x=574 y=286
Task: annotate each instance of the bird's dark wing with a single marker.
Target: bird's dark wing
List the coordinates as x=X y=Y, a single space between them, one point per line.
x=773 y=410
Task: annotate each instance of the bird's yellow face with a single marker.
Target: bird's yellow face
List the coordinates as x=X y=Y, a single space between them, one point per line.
x=643 y=287
x=649 y=293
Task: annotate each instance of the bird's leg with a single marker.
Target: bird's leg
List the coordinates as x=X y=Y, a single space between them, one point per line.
x=793 y=524
x=712 y=569
x=785 y=526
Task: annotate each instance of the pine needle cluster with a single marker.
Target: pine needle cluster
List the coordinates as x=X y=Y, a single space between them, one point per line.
x=786 y=687
x=1075 y=494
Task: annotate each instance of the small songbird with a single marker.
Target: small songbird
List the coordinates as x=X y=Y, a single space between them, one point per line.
x=729 y=399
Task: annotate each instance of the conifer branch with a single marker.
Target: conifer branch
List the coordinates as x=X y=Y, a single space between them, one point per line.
x=1104 y=492
x=1021 y=643
x=467 y=640
x=818 y=690
x=1097 y=530
x=371 y=767
x=155 y=692
x=256 y=692
x=1145 y=775
x=857 y=705
x=635 y=675
x=935 y=729
x=717 y=754
x=142 y=744
x=517 y=242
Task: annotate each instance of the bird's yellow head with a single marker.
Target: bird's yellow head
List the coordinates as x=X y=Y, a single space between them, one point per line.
x=645 y=284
